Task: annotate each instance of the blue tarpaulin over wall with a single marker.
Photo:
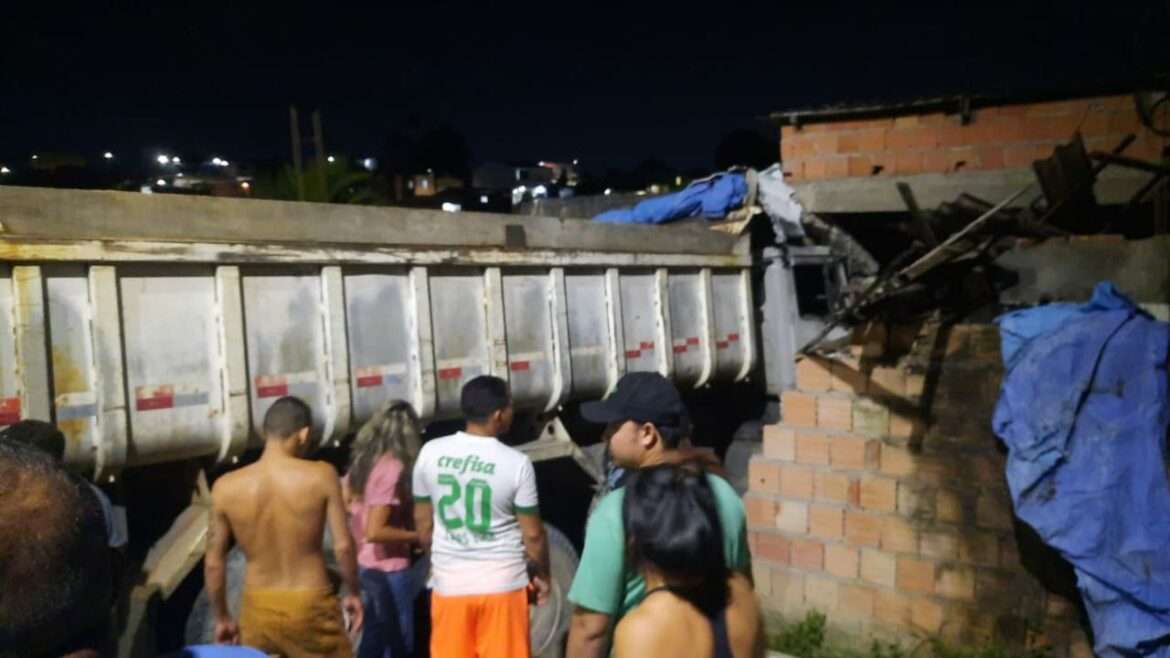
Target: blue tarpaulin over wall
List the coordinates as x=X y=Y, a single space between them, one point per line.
x=1083 y=411
x=711 y=197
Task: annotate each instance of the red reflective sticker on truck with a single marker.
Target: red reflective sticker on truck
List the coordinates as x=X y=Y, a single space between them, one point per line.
x=520 y=366
x=9 y=411
x=450 y=373
x=148 y=398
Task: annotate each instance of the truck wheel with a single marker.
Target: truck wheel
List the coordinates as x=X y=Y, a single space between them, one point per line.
x=549 y=623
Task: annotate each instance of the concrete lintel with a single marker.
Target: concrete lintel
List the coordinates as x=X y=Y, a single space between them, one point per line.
x=880 y=193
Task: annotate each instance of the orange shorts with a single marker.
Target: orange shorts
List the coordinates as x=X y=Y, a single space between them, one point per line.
x=480 y=626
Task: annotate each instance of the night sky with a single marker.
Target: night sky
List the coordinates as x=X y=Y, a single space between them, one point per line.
x=611 y=85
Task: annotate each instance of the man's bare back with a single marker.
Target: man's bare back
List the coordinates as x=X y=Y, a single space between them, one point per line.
x=277 y=509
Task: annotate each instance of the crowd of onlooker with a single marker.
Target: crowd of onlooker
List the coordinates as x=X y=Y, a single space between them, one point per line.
x=665 y=569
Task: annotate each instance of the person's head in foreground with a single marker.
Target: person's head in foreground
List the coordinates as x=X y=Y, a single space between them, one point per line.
x=644 y=417
x=393 y=430
x=288 y=424
x=486 y=404
x=37 y=434
x=694 y=605
x=54 y=566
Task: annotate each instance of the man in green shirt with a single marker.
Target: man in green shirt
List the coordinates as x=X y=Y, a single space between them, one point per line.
x=645 y=420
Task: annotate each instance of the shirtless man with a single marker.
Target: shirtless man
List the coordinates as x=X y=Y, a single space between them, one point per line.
x=277 y=509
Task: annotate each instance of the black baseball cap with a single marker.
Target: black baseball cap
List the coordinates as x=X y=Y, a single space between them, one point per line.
x=645 y=397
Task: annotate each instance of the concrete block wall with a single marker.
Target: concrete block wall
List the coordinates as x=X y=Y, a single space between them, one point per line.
x=998 y=137
x=880 y=499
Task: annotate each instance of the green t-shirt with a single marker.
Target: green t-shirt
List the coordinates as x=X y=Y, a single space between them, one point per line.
x=604 y=583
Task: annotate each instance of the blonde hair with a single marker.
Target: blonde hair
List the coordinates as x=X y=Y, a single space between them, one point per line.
x=393 y=430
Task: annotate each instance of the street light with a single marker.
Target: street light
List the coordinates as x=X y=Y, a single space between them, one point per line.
x=163 y=159
x=245 y=186
x=160 y=182
x=5 y=171
x=107 y=155
x=331 y=159
x=176 y=160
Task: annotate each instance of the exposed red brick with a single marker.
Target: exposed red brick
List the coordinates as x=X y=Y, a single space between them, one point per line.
x=926 y=614
x=831 y=486
x=860 y=165
x=787 y=132
x=898 y=535
x=820 y=593
x=837 y=167
x=939 y=544
x=936 y=162
x=949 y=507
x=815 y=169
x=826 y=522
x=907 y=163
x=1019 y=156
x=847 y=452
x=824 y=144
x=1095 y=123
x=878 y=567
x=771 y=547
x=1057 y=108
x=956 y=582
x=897 y=461
x=814 y=374
x=812 y=448
x=962 y=158
x=841 y=561
x=892 y=609
x=879 y=494
x=763 y=475
x=906 y=121
x=792 y=517
x=798 y=409
x=1122 y=122
x=796 y=482
x=991 y=157
x=863 y=529
x=855 y=602
x=835 y=413
x=1000 y=130
x=915 y=575
x=915 y=138
x=779 y=443
x=808 y=555
x=761 y=511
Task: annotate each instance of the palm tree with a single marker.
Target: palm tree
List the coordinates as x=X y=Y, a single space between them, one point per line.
x=342 y=185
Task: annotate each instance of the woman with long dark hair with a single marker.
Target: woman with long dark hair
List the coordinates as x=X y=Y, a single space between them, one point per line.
x=377 y=487
x=694 y=606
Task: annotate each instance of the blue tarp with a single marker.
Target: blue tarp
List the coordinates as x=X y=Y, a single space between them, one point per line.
x=712 y=198
x=1083 y=411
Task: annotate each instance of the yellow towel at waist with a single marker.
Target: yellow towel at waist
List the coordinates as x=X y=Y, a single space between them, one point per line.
x=298 y=623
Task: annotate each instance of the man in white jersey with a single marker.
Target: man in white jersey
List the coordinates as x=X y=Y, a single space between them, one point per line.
x=476 y=510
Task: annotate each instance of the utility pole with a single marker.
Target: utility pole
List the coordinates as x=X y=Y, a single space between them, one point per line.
x=319 y=141
x=298 y=169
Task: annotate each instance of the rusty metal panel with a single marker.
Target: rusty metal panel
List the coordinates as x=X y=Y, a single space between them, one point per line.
x=378 y=307
x=462 y=344
x=75 y=396
x=687 y=320
x=588 y=317
x=26 y=394
x=10 y=399
x=172 y=339
x=286 y=341
x=528 y=319
x=640 y=320
x=727 y=294
x=235 y=426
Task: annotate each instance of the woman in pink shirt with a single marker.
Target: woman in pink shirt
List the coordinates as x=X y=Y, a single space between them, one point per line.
x=378 y=491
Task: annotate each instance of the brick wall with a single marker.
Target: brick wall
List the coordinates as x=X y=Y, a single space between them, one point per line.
x=999 y=137
x=881 y=502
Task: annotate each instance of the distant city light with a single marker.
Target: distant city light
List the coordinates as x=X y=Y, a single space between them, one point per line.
x=163 y=159
x=245 y=186
x=107 y=155
x=179 y=175
x=369 y=164
x=608 y=191
x=35 y=156
x=331 y=159
x=539 y=191
x=483 y=198
x=176 y=160
x=224 y=163
x=575 y=161
x=161 y=182
x=5 y=170
x=451 y=207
